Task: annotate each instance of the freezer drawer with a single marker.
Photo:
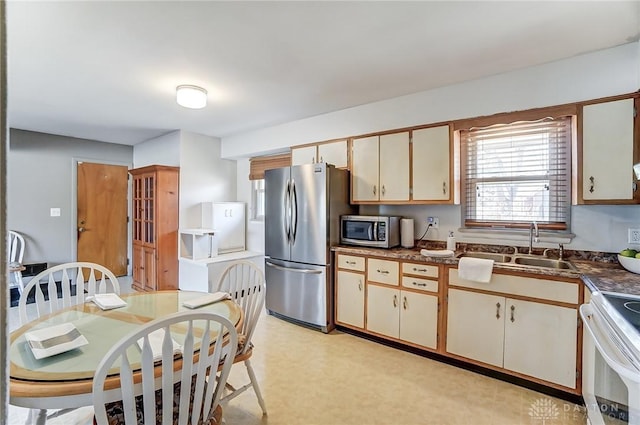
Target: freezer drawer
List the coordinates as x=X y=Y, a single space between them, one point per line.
x=301 y=292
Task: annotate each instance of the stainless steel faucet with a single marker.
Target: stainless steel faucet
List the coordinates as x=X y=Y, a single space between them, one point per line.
x=533 y=226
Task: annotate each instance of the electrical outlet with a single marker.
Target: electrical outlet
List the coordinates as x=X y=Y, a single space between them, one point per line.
x=433 y=221
x=634 y=236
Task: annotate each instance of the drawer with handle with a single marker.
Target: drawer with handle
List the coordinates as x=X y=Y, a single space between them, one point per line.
x=420 y=269
x=421 y=284
x=350 y=262
x=383 y=271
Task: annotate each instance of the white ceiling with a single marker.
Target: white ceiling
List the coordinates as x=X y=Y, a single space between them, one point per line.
x=108 y=70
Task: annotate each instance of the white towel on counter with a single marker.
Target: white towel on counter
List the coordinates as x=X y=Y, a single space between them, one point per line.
x=475 y=269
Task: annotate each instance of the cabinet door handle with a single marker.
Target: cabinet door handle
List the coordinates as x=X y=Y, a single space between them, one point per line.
x=404 y=303
x=444 y=188
x=321 y=159
x=382 y=271
x=513 y=309
x=497 y=310
x=418 y=283
x=415 y=269
x=383 y=190
x=360 y=285
x=592 y=180
x=374 y=189
x=395 y=301
x=353 y=263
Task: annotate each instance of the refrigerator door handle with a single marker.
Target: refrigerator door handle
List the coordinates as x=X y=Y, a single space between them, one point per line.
x=294 y=212
x=289 y=269
x=287 y=211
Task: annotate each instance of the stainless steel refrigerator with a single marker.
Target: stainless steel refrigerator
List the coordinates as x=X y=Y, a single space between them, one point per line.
x=303 y=205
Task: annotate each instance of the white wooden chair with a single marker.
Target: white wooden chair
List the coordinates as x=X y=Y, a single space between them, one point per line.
x=67 y=275
x=15 y=254
x=245 y=282
x=99 y=279
x=160 y=392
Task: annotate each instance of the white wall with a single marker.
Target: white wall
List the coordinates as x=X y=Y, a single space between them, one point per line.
x=163 y=150
x=255 y=229
x=600 y=74
x=204 y=176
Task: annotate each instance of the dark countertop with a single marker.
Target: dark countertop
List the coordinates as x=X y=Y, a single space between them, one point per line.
x=596 y=275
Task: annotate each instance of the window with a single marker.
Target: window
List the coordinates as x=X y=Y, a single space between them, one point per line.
x=257 y=167
x=513 y=174
x=257 y=199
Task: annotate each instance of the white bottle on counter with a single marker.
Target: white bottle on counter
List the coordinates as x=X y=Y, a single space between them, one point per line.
x=451 y=242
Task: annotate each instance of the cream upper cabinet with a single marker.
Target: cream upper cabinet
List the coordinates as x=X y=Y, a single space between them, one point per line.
x=304 y=155
x=431 y=164
x=334 y=153
x=607 y=151
x=380 y=168
x=364 y=169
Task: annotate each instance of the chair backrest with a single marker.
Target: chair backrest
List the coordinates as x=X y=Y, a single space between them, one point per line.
x=59 y=283
x=15 y=248
x=152 y=389
x=245 y=282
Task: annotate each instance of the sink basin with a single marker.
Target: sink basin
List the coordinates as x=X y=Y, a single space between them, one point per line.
x=498 y=258
x=544 y=262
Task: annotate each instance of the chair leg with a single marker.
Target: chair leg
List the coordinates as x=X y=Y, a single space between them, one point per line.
x=256 y=389
x=37 y=417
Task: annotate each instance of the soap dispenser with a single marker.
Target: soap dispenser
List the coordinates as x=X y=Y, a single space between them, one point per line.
x=451 y=242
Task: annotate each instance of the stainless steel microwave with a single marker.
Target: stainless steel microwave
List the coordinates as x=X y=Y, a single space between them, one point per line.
x=370 y=230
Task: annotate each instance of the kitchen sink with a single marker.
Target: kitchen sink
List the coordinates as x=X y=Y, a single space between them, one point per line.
x=498 y=258
x=521 y=259
x=544 y=262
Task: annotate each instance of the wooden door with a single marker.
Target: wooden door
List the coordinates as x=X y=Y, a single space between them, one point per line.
x=102 y=215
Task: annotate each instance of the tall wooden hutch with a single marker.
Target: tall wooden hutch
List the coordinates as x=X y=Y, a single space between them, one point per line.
x=155 y=227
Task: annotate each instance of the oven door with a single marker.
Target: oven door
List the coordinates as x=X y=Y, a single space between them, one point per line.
x=359 y=232
x=610 y=381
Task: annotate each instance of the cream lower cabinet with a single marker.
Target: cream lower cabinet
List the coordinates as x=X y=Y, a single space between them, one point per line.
x=350 y=290
x=350 y=298
x=398 y=313
x=536 y=339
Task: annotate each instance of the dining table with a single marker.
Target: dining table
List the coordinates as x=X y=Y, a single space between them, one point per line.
x=65 y=380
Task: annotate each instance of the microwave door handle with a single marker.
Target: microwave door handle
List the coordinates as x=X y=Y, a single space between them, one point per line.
x=373 y=232
x=294 y=212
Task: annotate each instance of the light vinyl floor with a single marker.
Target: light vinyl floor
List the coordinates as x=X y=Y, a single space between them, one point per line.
x=309 y=378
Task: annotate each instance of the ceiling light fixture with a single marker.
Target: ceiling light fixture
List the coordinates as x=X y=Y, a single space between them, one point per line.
x=193 y=97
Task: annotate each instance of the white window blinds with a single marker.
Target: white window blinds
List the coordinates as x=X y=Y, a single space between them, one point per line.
x=513 y=174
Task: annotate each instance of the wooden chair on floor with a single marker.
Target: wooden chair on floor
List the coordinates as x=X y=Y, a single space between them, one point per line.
x=163 y=394
x=66 y=277
x=245 y=282
x=61 y=282
x=15 y=254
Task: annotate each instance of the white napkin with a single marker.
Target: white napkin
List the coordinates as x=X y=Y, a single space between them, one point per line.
x=437 y=252
x=107 y=301
x=207 y=299
x=155 y=341
x=476 y=269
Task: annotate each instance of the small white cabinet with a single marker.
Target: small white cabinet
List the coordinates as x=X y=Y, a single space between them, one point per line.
x=431 y=162
x=227 y=219
x=380 y=168
x=607 y=151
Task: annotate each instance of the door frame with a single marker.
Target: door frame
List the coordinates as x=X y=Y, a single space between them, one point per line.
x=74 y=206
